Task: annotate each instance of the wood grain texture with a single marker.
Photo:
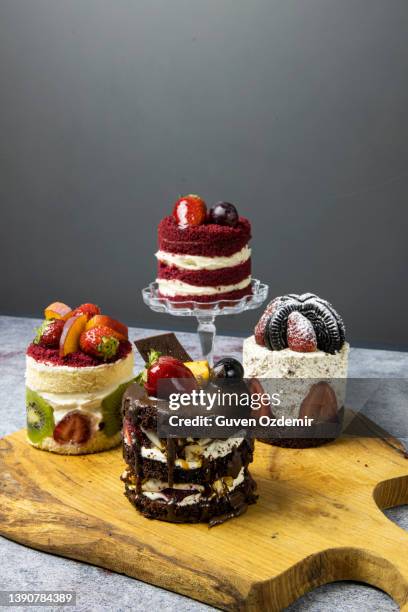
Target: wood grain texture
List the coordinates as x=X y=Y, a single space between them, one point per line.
x=317 y=520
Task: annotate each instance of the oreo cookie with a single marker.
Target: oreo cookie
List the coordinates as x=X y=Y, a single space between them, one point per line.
x=275 y=334
x=327 y=323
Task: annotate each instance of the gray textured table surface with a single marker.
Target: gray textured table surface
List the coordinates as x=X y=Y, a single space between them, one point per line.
x=98 y=589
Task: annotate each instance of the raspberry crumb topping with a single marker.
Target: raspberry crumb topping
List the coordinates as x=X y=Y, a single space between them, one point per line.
x=79 y=359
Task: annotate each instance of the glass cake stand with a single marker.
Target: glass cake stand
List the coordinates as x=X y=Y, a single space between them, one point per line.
x=206 y=312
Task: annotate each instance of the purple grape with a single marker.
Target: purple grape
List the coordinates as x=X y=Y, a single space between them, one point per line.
x=223 y=213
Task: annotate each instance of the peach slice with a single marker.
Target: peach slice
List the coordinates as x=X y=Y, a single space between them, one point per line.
x=73 y=328
x=105 y=321
x=57 y=310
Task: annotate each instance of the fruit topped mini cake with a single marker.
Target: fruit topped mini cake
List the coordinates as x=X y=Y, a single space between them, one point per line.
x=204 y=255
x=77 y=369
x=302 y=337
x=183 y=480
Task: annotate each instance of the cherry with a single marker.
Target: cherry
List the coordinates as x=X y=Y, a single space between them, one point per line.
x=190 y=210
x=229 y=369
x=175 y=377
x=223 y=213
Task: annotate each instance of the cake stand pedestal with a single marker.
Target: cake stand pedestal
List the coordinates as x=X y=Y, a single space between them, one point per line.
x=205 y=312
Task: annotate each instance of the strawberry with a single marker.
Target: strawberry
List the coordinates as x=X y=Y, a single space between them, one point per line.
x=259 y=330
x=100 y=342
x=49 y=333
x=74 y=428
x=89 y=309
x=189 y=210
x=130 y=433
x=169 y=375
x=300 y=334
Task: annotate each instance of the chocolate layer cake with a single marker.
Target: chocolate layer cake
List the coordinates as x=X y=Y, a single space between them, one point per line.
x=182 y=479
x=204 y=263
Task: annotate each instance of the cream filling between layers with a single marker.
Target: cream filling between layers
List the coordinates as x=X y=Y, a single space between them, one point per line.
x=88 y=403
x=202 y=262
x=153 y=489
x=194 y=452
x=171 y=288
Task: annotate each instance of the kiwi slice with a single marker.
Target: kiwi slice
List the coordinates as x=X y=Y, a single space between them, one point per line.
x=40 y=417
x=111 y=410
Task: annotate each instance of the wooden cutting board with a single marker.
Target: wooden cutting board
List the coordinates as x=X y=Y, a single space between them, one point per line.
x=317 y=520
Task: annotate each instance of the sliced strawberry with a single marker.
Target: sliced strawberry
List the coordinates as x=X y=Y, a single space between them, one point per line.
x=74 y=428
x=300 y=334
x=255 y=387
x=89 y=309
x=130 y=433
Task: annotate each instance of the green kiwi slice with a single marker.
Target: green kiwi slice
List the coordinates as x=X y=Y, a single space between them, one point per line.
x=40 y=417
x=111 y=410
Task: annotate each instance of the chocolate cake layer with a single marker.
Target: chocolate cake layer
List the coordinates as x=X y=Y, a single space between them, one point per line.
x=212 y=509
x=207 y=239
x=206 y=278
x=210 y=470
x=182 y=479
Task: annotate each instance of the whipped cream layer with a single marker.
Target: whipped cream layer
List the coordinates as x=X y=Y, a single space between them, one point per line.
x=194 y=453
x=89 y=403
x=201 y=262
x=261 y=362
x=172 y=288
x=153 y=489
x=46 y=377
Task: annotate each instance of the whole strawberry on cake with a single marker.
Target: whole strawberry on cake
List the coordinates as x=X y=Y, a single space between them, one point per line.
x=203 y=254
x=77 y=369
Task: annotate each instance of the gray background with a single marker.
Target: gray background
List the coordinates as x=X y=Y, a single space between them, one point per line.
x=295 y=110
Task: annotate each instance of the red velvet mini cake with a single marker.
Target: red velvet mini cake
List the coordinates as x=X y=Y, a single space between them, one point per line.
x=204 y=257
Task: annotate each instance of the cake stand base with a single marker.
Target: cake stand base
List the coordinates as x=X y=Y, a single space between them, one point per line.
x=205 y=312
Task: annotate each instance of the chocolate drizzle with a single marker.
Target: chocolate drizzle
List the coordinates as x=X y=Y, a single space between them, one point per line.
x=214 y=506
x=171 y=459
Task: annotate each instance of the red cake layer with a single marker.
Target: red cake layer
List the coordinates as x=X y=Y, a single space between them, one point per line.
x=206 y=278
x=231 y=295
x=209 y=239
x=78 y=359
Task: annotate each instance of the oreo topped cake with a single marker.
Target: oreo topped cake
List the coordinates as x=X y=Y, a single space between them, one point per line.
x=204 y=256
x=185 y=480
x=77 y=368
x=302 y=337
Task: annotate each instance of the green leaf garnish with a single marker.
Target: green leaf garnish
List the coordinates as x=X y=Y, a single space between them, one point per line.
x=153 y=356
x=40 y=330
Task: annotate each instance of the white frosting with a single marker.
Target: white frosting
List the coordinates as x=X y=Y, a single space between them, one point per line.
x=194 y=452
x=171 y=288
x=201 y=262
x=261 y=362
x=152 y=489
